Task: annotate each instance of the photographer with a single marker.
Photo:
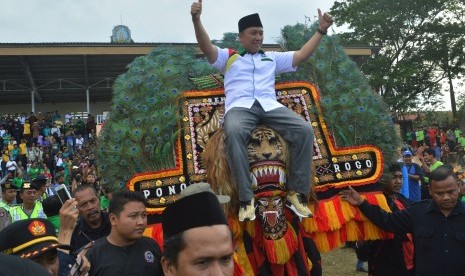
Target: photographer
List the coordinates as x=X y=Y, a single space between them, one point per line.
x=68 y=221
x=64 y=217
x=76 y=178
x=93 y=222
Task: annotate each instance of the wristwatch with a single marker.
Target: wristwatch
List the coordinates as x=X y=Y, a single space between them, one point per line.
x=321 y=31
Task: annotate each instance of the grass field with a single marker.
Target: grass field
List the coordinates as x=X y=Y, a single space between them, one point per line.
x=340 y=262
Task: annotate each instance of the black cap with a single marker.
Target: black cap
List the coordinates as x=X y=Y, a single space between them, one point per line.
x=7 y=186
x=28 y=186
x=197 y=210
x=251 y=20
x=29 y=238
x=39 y=178
x=52 y=205
x=39 y=181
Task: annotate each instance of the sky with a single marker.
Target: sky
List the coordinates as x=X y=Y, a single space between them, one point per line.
x=23 y=21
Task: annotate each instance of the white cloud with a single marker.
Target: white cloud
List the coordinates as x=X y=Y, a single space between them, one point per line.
x=23 y=21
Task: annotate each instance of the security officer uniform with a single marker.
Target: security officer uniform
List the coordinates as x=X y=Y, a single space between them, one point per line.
x=17 y=213
x=5 y=218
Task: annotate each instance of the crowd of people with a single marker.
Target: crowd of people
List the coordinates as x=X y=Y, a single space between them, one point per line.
x=449 y=144
x=408 y=182
x=87 y=240
x=44 y=144
x=100 y=232
x=428 y=235
x=422 y=153
x=111 y=240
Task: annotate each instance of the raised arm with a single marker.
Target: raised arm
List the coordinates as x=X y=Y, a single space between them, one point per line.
x=210 y=51
x=397 y=222
x=68 y=218
x=325 y=21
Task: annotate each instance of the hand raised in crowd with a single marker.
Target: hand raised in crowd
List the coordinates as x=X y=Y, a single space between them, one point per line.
x=351 y=196
x=325 y=20
x=82 y=265
x=68 y=215
x=196 y=9
x=68 y=219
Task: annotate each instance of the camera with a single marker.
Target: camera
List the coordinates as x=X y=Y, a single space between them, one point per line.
x=63 y=193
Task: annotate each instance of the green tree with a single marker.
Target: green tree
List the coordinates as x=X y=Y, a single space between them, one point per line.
x=412 y=63
x=229 y=41
x=448 y=55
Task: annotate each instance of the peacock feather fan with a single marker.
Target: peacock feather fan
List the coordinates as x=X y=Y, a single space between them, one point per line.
x=141 y=130
x=140 y=133
x=355 y=114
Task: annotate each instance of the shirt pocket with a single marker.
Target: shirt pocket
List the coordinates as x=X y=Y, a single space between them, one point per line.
x=424 y=237
x=460 y=237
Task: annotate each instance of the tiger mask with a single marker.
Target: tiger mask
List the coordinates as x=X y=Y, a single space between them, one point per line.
x=268 y=158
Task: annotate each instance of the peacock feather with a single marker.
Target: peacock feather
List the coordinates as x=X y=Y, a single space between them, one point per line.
x=140 y=132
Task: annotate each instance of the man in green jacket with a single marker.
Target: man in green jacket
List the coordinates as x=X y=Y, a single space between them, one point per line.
x=428 y=164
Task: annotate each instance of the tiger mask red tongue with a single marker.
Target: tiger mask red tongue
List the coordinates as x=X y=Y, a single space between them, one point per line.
x=271 y=213
x=270 y=218
x=268 y=181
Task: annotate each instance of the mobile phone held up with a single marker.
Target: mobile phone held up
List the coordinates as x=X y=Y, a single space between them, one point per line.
x=63 y=193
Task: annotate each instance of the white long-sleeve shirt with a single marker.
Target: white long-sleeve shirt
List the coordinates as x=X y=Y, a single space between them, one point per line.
x=252 y=77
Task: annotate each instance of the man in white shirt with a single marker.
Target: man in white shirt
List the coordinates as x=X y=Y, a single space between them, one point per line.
x=22 y=119
x=11 y=166
x=68 y=117
x=249 y=82
x=79 y=142
x=55 y=129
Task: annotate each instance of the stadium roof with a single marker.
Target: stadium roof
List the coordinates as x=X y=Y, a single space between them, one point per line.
x=65 y=72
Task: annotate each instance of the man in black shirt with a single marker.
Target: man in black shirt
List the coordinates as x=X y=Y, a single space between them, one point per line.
x=126 y=251
x=93 y=224
x=392 y=256
x=437 y=225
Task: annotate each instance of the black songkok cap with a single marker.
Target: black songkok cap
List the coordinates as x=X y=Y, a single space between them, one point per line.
x=251 y=20
x=197 y=210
